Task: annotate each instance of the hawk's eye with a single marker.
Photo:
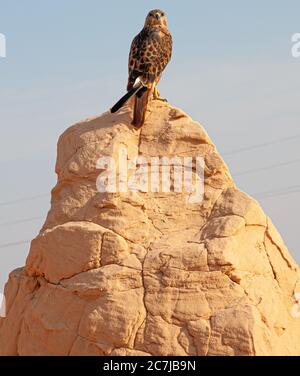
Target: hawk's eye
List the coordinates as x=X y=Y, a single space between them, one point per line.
x=162 y=14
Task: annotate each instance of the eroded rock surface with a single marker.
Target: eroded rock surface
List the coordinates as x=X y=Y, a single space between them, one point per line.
x=140 y=273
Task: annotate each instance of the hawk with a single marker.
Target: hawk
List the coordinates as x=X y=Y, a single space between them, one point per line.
x=150 y=52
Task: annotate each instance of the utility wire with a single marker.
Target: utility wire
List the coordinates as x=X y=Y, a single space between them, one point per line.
x=17 y=201
x=7 y=245
x=278 y=192
x=263 y=145
x=4 y=224
x=235 y=151
x=267 y=167
x=262 y=195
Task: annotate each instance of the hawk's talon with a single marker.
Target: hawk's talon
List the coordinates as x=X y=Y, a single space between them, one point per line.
x=150 y=53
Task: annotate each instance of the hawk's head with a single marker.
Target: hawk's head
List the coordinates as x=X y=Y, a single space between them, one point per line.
x=156 y=17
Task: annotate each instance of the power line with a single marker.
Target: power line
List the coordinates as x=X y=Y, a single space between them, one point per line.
x=267 y=167
x=261 y=195
x=19 y=200
x=231 y=152
x=278 y=192
x=7 y=245
x=281 y=194
x=265 y=144
x=4 y=224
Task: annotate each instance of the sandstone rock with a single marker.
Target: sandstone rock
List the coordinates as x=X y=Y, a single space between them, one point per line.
x=141 y=273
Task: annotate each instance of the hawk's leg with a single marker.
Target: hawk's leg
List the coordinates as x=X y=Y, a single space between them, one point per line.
x=156 y=95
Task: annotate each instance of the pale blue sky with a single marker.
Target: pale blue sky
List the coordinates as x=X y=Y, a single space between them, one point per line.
x=232 y=70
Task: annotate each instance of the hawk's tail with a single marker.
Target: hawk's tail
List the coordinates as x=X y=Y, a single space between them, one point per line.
x=140 y=107
x=136 y=88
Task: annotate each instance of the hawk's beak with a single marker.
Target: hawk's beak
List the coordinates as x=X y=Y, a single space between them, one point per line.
x=157 y=16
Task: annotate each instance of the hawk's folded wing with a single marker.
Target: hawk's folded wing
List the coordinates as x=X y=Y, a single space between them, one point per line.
x=150 y=52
